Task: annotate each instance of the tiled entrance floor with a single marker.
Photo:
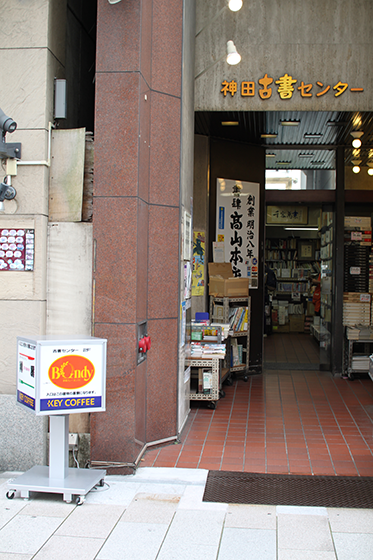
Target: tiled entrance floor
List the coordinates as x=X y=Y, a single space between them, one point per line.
x=290 y=421
x=291 y=349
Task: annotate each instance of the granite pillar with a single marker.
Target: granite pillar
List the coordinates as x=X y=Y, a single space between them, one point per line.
x=136 y=220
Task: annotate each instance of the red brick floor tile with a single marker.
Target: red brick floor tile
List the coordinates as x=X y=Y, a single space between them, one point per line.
x=279 y=422
x=186 y=464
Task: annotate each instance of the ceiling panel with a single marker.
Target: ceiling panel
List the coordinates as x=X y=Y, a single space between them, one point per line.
x=293 y=143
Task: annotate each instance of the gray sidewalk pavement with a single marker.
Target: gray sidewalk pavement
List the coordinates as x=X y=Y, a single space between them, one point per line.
x=158 y=514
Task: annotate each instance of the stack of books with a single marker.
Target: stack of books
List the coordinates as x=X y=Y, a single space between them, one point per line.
x=356 y=309
x=201 y=351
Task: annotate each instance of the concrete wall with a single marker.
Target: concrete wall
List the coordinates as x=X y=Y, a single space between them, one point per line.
x=32 y=55
x=310 y=41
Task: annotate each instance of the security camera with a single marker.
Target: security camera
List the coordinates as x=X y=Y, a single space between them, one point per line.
x=7 y=124
x=6 y=192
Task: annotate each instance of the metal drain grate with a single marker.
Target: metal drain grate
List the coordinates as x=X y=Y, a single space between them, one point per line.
x=290 y=490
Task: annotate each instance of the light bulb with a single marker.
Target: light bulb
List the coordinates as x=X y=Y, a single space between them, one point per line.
x=356 y=143
x=356 y=169
x=233 y=57
x=370 y=171
x=235 y=5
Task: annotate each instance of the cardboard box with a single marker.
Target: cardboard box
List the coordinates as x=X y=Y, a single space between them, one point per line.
x=296 y=323
x=222 y=283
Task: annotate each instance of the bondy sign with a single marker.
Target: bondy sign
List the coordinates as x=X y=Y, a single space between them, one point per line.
x=57 y=376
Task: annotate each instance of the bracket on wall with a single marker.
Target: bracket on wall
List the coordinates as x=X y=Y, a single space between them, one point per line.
x=10 y=150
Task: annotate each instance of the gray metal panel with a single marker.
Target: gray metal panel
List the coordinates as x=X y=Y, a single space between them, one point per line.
x=60 y=108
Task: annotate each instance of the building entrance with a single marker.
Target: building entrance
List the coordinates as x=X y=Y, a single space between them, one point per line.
x=288 y=418
x=299 y=280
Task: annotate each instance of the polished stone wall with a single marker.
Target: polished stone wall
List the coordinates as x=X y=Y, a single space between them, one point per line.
x=137 y=206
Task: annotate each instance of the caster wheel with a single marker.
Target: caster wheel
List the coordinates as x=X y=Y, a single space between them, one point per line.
x=102 y=482
x=229 y=382
x=80 y=501
x=222 y=394
x=10 y=495
x=211 y=405
x=245 y=378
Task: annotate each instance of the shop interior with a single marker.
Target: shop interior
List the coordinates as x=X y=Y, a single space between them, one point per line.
x=316 y=165
x=292 y=322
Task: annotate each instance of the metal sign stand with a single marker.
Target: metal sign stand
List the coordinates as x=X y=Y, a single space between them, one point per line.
x=58 y=478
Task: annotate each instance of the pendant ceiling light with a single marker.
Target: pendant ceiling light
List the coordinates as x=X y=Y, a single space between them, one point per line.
x=235 y=5
x=233 y=57
x=356 y=135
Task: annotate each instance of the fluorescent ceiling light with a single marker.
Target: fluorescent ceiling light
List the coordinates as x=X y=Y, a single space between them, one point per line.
x=283 y=162
x=294 y=228
x=229 y=123
x=290 y=123
x=313 y=135
x=269 y=135
x=270 y=155
x=305 y=155
x=235 y=5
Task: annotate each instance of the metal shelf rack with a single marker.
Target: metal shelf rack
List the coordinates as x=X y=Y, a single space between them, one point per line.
x=229 y=302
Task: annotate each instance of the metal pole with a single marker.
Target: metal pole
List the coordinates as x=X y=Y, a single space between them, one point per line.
x=59 y=447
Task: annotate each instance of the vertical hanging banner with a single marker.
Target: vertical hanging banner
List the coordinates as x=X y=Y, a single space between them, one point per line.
x=198 y=273
x=237 y=225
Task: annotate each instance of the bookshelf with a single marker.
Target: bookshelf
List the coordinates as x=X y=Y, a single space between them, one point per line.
x=236 y=312
x=198 y=386
x=206 y=355
x=294 y=261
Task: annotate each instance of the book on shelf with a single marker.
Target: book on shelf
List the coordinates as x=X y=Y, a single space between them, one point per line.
x=238 y=321
x=234 y=353
x=218 y=311
x=207 y=381
x=240 y=353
